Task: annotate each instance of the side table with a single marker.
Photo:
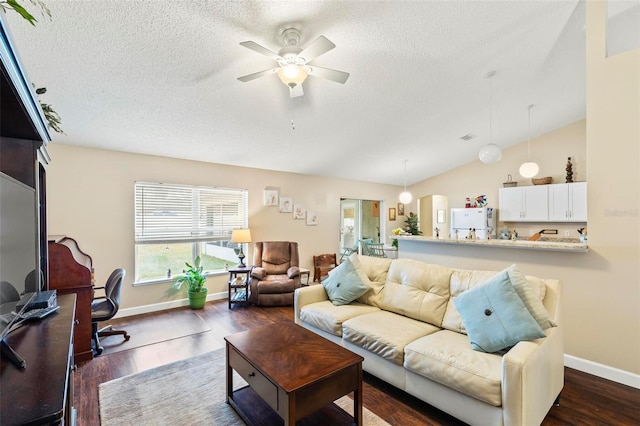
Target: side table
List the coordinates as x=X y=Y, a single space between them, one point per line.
x=239 y=283
x=303 y=272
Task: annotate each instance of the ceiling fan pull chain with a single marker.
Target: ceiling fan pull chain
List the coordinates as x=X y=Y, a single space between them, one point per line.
x=293 y=124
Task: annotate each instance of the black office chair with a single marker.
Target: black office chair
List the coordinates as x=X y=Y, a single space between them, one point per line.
x=103 y=308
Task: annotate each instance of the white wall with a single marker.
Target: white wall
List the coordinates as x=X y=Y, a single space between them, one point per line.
x=90 y=198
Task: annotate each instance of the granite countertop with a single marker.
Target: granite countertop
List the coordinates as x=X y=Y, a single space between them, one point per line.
x=544 y=243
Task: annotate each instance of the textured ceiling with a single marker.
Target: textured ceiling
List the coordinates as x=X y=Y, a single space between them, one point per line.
x=160 y=77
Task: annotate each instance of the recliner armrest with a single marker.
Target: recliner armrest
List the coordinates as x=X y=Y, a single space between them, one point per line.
x=293 y=272
x=258 y=272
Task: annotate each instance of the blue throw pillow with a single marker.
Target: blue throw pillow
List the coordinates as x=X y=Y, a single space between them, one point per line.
x=343 y=285
x=495 y=317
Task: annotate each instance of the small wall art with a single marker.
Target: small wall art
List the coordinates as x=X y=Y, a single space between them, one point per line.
x=375 y=206
x=286 y=204
x=400 y=209
x=298 y=211
x=270 y=196
x=392 y=213
x=312 y=218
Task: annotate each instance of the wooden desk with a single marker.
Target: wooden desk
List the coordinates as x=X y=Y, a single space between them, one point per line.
x=42 y=393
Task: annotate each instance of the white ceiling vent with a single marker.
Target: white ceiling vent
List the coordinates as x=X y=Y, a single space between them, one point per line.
x=467 y=137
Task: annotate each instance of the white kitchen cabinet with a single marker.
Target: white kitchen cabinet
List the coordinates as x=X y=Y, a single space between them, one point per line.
x=568 y=202
x=524 y=204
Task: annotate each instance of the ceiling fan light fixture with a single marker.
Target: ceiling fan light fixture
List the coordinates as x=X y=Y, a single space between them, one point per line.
x=292 y=75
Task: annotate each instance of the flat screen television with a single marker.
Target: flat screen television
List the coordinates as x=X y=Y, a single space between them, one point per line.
x=18 y=255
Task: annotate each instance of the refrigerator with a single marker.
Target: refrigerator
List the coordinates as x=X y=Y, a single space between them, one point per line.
x=482 y=220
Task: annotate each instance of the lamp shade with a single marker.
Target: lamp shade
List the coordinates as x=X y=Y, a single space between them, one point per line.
x=529 y=169
x=405 y=197
x=292 y=75
x=490 y=153
x=241 y=236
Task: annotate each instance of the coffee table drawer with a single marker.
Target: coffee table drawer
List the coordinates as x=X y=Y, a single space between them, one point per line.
x=259 y=383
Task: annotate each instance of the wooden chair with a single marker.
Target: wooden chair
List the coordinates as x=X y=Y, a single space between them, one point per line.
x=322 y=264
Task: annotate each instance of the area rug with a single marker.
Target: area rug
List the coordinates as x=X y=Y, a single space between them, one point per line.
x=187 y=392
x=166 y=325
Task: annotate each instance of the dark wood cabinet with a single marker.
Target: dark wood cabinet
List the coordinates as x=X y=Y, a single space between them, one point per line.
x=41 y=393
x=71 y=272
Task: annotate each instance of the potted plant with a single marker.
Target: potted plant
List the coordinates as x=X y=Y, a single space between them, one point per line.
x=412 y=224
x=193 y=278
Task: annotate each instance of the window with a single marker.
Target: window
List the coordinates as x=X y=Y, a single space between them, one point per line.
x=176 y=223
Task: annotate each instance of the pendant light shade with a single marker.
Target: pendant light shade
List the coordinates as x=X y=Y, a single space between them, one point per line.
x=529 y=169
x=491 y=152
x=405 y=196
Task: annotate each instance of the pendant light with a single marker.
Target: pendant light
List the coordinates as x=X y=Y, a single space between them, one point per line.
x=529 y=169
x=491 y=152
x=405 y=197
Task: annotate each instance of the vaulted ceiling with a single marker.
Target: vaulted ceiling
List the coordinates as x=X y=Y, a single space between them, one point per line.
x=160 y=77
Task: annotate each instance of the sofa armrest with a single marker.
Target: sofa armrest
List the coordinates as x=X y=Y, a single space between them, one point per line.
x=305 y=296
x=532 y=378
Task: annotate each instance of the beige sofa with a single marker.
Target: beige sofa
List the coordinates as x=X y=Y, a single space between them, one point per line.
x=412 y=336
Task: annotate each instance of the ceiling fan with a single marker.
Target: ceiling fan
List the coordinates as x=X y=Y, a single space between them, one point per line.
x=293 y=62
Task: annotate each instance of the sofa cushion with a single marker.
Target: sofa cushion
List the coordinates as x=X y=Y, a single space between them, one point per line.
x=417 y=290
x=328 y=317
x=463 y=280
x=495 y=317
x=376 y=268
x=344 y=285
x=531 y=295
x=384 y=333
x=447 y=358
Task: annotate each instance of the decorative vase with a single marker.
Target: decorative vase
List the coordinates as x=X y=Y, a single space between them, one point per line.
x=197 y=298
x=569 y=170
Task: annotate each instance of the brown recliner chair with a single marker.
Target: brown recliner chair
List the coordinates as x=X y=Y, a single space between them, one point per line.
x=275 y=274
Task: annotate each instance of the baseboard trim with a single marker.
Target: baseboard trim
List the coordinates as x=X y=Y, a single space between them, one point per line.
x=606 y=372
x=127 y=312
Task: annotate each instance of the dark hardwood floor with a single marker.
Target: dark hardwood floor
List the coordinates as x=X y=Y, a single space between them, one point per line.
x=585 y=400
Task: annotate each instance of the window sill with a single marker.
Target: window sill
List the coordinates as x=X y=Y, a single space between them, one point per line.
x=173 y=278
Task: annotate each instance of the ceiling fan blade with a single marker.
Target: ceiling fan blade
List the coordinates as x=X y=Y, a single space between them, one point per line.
x=261 y=50
x=333 y=75
x=296 y=91
x=255 y=75
x=318 y=47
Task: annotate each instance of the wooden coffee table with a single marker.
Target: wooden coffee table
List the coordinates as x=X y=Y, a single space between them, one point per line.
x=295 y=371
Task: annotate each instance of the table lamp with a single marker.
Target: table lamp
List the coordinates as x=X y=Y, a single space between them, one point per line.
x=241 y=236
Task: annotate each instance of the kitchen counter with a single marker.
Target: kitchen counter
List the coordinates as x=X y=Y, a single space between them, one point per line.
x=547 y=244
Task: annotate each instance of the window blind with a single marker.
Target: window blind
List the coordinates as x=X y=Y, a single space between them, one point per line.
x=175 y=213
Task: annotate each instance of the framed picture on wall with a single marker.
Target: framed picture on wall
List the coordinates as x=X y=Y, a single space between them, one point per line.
x=286 y=204
x=392 y=213
x=375 y=209
x=400 y=209
x=441 y=216
x=270 y=197
x=312 y=218
x=299 y=211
